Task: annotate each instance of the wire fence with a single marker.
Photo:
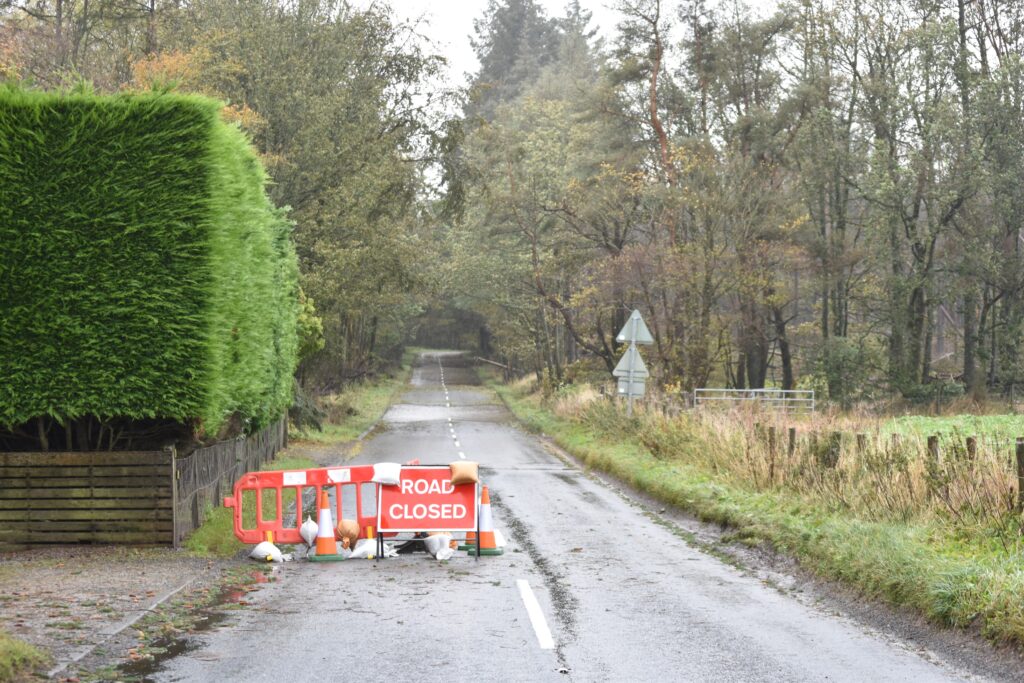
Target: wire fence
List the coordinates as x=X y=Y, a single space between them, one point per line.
x=202 y=477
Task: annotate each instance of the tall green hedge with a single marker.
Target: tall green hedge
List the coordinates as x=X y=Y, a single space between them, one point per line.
x=144 y=273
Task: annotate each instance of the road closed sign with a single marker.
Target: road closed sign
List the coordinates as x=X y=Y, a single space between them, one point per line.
x=425 y=500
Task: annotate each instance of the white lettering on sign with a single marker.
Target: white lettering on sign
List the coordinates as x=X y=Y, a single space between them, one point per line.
x=452 y=511
x=294 y=478
x=426 y=500
x=424 y=486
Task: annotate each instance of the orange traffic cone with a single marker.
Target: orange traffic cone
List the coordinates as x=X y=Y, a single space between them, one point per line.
x=470 y=542
x=326 y=544
x=488 y=546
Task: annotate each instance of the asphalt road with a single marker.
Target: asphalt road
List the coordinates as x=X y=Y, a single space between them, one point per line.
x=624 y=596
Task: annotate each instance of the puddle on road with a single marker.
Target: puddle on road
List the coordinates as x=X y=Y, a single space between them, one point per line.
x=210 y=616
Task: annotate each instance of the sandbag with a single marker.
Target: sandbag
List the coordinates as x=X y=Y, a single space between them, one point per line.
x=366 y=548
x=464 y=472
x=387 y=473
x=347 y=529
x=308 y=531
x=436 y=543
x=266 y=551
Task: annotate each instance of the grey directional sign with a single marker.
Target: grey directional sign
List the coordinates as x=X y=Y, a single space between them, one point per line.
x=631 y=364
x=632 y=375
x=635 y=330
x=630 y=389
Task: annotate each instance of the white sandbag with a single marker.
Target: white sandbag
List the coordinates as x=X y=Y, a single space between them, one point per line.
x=444 y=553
x=365 y=549
x=387 y=473
x=266 y=552
x=308 y=531
x=436 y=543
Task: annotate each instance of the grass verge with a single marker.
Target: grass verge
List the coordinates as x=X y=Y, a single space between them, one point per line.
x=359 y=406
x=216 y=536
x=924 y=565
x=18 y=658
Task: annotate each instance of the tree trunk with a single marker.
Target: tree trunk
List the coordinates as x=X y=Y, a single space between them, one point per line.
x=784 y=352
x=970 y=312
x=151 y=29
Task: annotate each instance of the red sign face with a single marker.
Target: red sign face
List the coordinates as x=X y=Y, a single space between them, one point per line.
x=425 y=500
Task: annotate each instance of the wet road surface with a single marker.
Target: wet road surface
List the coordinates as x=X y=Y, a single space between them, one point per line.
x=625 y=598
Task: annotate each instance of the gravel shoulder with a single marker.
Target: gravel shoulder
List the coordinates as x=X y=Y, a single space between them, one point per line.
x=73 y=600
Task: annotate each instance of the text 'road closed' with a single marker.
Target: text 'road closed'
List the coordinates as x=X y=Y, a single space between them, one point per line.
x=426 y=500
x=432 y=511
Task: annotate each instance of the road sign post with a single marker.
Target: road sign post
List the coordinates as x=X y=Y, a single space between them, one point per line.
x=631 y=371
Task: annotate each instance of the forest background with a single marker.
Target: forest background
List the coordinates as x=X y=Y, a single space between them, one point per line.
x=828 y=196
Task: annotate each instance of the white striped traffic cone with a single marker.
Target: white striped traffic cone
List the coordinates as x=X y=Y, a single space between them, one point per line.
x=488 y=545
x=326 y=544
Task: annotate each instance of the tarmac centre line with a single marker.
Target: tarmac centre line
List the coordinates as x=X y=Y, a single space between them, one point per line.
x=540 y=624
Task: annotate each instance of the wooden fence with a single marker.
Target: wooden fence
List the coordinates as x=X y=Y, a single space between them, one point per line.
x=123 y=497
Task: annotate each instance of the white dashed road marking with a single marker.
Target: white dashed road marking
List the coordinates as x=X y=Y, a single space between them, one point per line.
x=540 y=624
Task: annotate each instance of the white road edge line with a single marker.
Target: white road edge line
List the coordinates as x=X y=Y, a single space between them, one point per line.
x=540 y=624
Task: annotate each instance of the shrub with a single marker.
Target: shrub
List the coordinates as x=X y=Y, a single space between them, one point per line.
x=144 y=273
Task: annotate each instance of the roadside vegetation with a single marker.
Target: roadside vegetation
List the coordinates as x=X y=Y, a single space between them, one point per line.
x=164 y=257
x=943 y=537
x=18 y=658
x=344 y=415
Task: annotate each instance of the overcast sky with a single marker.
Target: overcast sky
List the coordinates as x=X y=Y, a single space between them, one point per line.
x=449 y=23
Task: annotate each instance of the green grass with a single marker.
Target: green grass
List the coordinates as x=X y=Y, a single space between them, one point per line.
x=216 y=536
x=1002 y=427
x=953 y=580
x=18 y=658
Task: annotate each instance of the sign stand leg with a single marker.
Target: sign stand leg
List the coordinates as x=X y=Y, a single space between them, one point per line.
x=478 y=520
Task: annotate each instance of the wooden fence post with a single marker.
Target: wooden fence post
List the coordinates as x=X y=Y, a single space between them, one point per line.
x=933 y=448
x=862 y=443
x=1020 y=473
x=174 y=496
x=792 y=441
x=771 y=454
x=835 y=442
x=972 y=447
